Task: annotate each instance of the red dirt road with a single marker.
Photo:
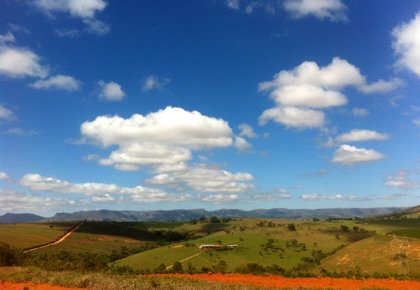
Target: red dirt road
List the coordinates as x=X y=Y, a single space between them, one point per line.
x=32 y=286
x=320 y=283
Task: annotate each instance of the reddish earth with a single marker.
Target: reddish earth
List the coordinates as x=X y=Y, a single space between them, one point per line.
x=282 y=282
x=32 y=286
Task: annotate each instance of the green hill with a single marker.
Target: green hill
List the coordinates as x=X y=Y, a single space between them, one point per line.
x=264 y=242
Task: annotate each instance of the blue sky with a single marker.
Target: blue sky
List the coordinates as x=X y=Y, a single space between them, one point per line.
x=208 y=104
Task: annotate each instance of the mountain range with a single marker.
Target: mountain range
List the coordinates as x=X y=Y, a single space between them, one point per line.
x=180 y=214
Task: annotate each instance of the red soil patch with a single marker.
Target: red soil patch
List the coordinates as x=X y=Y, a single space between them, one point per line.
x=317 y=283
x=32 y=286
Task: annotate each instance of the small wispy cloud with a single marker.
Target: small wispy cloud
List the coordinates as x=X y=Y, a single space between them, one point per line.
x=153 y=82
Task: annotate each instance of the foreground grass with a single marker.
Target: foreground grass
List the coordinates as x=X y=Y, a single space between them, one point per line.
x=110 y=282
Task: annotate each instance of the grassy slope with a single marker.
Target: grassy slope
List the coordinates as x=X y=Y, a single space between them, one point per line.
x=376 y=253
x=31 y=234
x=250 y=241
x=372 y=255
x=105 y=237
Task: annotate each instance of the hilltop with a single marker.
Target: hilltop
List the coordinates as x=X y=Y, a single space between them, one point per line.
x=11 y=218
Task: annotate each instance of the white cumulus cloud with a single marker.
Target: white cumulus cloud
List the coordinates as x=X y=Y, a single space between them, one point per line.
x=111 y=91
x=21 y=62
x=357 y=135
x=85 y=10
x=312 y=86
x=294 y=117
x=300 y=93
x=59 y=82
x=204 y=179
x=165 y=137
x=407 y=44
x=349 y=155
x=333 y=10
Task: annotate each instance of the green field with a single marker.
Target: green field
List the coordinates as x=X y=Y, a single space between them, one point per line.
x=268 y=244
x=368 y=246
x=32 y=234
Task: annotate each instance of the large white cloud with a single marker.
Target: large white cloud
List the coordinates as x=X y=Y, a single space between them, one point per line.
x=333 y=10
x=357 y=135
x=60 y=82
x=21 y=62
x=111 y=91
x=294 y=117
x=160 y=138
x=297 y=92
x=204 y=179
x=349 y=155
x=407 y=44
x=86 y=10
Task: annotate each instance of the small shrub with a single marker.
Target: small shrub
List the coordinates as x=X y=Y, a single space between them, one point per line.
x=177 y=268
x=291 y=227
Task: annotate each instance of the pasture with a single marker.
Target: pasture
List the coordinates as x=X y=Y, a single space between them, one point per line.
x=265 y=242
x=31 y=234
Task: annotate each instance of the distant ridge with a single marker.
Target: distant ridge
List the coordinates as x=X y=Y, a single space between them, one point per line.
x=410 y=212
x=12 y=218
x=178 y=214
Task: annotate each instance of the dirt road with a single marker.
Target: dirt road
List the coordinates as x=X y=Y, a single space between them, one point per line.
x=183 y=260
x=60 y=240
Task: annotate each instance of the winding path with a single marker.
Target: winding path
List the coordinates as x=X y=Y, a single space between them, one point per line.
x=60 y=240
